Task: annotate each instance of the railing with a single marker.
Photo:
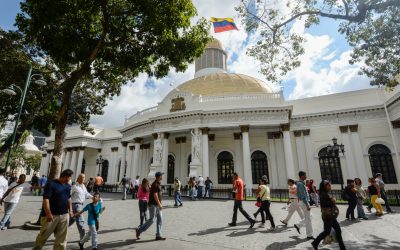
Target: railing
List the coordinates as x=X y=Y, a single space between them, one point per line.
x=275 y=96
x=278 y=195
x=145 y=111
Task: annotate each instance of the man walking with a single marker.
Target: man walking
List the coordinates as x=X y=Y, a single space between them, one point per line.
x=3 y=182
x=177 y=192
x=56 y=210
x=125 y=185
x=304 y=202
x=293 y=203
x=78 y=195
x=238 y=189
x=200 y=187
x=208 y=183
x=98 y=182
x=155 y=208
x=381 y=184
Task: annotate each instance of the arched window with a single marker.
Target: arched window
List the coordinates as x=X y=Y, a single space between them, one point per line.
x=330 y=167
x=225 y=167
x=83 y=166
x=188 y=164
x=28 y=170
x=259 y=165
x=171 y=169
x=104 y=170
x=381 y=161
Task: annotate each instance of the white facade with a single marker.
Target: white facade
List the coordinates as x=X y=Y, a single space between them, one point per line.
x=219 y=122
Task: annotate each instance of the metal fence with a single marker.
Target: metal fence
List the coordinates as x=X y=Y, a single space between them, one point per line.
x=279 y=195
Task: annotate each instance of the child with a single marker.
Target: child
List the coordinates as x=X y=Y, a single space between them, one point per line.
x=93 y=209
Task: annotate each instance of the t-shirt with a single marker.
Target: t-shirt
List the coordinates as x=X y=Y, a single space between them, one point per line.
x=155 y=188
x=98 y=180
x=35 y=180
x=58 y=195
x=43 y=181
x=15 y=194
x=136 y=182
x=97 y=209
x=201 y=181
x=125 y=181
x=293 y=191
x=3 y=185
x=265 y=193
x=238 y=186
x=208 y=183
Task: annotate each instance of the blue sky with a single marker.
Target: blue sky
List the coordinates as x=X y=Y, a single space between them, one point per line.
x=324 y=69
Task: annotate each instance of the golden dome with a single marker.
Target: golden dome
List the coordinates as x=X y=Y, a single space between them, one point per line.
x=225 y=84
x=215 y=44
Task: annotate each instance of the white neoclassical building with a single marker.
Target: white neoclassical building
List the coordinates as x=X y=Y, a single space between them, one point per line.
x=220 y=123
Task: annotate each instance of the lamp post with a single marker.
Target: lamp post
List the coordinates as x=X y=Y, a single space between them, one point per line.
x=334 y=150
x=11 y=91
x=99 y=162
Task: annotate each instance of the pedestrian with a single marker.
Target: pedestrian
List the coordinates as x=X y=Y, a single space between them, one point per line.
x=11 y=198
x=13 y=178
x=98 y=182
x=350 y=193
x=3 y=182
x=79 y=194
x=125 y=185
x=238 y=187
x=90 y=185
x=329 y=213
x=177 y=192
x=292 y=202
x=208 y=190
x=35 y=184
x=375 y=193
x=43 y=182
x=312 y=190
x=143 y=197
x=200 y=187
x=265 y=195
x=191 y=187
x=155 y=208
x=135 y=186
x=56 y=210
x=304 y=202
x=259 y=210
x=94 y=210
x=361 y=195
x=381 y=184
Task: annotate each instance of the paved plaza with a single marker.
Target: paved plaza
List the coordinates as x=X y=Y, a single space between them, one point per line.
x=203 y=224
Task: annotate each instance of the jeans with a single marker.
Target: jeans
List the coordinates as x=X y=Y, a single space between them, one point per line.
x=328 y=225
x=209 y=191
x=200 y=192
x=92 y=234
x=265 y=207
x=178 y=198
x=58 y=226
x=154 y=211
x=360 y=208
x=238 y=205
x=124 y=189
x=293 y=207
x=350 y=209
x=8 y=209
x=143 y=211
x=383 y=196
x=80 y=221
x=306 y=222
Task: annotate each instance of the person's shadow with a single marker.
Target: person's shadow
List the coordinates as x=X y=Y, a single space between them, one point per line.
x=287 y=244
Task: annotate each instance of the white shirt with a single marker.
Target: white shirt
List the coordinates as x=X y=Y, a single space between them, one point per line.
x=79 y=193
x=201 y=181
x=15 y=194
x=3 y=186
x=136 y=182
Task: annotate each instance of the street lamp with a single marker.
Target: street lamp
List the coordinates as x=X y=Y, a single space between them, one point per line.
x=334 y=150
x=99 y=161
x=11 y=91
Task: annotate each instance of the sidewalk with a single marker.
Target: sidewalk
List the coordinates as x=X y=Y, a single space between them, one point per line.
x=203 y=224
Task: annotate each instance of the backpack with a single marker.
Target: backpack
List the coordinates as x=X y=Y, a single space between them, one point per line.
x=345 y=195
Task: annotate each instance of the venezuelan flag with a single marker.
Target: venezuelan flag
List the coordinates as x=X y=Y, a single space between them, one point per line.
x=223 y=24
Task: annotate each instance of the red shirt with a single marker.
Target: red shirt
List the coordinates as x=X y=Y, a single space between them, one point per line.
x=238 y=186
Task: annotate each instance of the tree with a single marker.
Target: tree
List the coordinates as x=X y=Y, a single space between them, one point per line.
x=99 y=45
x=371 y=27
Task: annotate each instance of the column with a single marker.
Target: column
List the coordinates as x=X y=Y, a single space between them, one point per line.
x=196 y=164
x=313 y=170
x=246 y=157
x=67 y=159
x=158 y=148
x=280 y=160
x=80 y=161
x=274 y=180
x=287 y=145
x=181 y=141
x=301 y=153
x=136 y=168
x=123 y=160
x=130 y=162
x=43 y=164
x=98 y=170
x=351 y=166
x=165 y=157
x=396 y=139
x=238 y=154
x=112 y=167
x=358 y=153
x=73 y=162
x=206 y=160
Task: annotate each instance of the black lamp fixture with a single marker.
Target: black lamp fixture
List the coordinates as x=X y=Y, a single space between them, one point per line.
x=335 y=148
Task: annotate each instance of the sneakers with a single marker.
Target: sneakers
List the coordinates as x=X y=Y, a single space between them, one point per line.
x=181 y=205
x=176 y=205
x=297 y=228
x=283 y=222
x=137 y=234
x=252 y=224
x=3 y=228
x=232 y=224
x=310 y=238
x=80 y=246
x=160 y=238
x=314 y=245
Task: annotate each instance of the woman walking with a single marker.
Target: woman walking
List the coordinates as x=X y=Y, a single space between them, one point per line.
x=329 y=213
x=259 y=210
x=143 y=197
x=293 y=203
x=350 y=193
x=313 y=193
x=361 y=195
x=375 y=192
x=265 y=195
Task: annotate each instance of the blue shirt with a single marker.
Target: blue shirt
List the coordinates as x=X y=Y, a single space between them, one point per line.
x=43 y=181
x=97 y=209
x=302 y=193
x=58 y=195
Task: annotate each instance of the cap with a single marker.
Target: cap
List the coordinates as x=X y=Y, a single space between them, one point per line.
x=158 y=174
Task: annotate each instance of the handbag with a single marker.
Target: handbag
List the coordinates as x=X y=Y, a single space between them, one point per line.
x=379 y=201
x=330 y=212
x=258 y=204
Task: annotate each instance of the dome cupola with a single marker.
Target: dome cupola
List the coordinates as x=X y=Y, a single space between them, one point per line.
x=212 y=61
